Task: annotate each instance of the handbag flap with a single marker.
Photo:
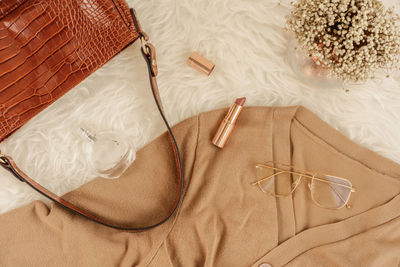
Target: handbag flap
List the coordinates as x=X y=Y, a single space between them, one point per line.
x=7 y=6
x=49 y=46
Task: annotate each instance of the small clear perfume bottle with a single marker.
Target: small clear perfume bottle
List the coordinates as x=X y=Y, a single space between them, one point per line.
x=109 y=153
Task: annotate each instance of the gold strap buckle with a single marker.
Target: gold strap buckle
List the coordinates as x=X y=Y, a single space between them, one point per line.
x=144 y=42
x=2 y=156
x=150 y=54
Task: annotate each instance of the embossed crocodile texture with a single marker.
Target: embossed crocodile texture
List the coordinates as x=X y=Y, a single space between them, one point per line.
x=48 y=46
x=7 y=6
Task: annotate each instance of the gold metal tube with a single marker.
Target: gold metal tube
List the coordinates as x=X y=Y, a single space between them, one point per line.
x=227 y=125
x=200 y=63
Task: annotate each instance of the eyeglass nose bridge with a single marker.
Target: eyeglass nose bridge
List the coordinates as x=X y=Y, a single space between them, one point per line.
x=297 y=182
x=309 y=183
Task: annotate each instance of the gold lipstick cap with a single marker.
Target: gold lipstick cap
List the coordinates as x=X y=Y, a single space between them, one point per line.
x=200 y=63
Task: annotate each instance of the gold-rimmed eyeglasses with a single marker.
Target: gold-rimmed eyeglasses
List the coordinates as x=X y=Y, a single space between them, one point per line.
x=327 y=191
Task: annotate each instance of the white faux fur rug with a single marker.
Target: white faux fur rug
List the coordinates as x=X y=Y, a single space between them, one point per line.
x=247 y=42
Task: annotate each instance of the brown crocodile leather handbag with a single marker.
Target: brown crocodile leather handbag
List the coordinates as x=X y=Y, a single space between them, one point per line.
x=49 y=46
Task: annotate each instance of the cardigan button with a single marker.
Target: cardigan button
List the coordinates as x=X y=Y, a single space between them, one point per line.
x=265 y=265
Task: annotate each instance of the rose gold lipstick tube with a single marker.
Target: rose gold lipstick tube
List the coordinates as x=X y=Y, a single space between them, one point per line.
x=226 y=127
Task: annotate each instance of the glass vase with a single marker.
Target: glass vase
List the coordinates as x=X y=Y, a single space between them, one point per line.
x=307 y=70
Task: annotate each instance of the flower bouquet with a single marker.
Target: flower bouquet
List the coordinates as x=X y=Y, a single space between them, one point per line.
x=350 y=38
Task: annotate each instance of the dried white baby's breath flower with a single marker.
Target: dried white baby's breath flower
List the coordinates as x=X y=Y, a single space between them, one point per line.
x=353 y=38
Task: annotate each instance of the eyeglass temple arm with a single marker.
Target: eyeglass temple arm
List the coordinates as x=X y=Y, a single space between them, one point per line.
x=330 y=182
x=267 y=177
x=300 y=174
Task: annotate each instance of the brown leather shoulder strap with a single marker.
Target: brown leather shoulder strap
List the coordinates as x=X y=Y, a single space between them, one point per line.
x=149 y=55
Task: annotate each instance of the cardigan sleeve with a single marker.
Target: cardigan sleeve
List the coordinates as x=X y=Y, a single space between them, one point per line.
x=37 y=235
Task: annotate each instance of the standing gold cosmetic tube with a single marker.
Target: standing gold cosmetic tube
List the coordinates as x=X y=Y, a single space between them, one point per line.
x=227 y=125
